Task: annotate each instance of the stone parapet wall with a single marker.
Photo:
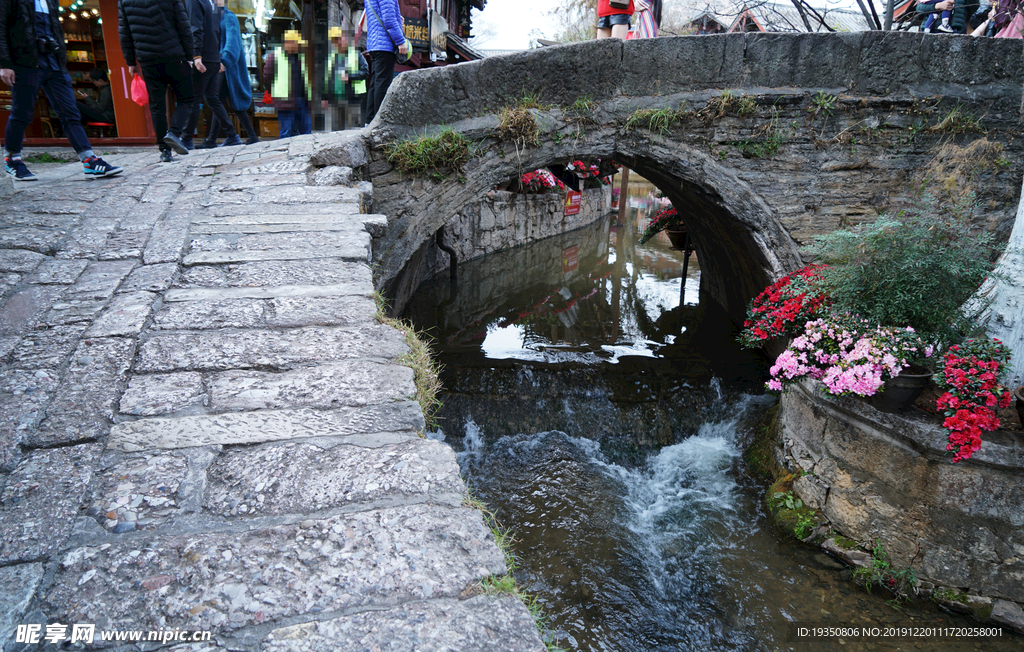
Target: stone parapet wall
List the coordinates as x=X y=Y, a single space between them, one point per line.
x=888 y=478
x=504 y=220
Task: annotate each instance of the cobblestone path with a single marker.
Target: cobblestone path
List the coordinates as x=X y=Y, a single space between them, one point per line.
x=204 y=428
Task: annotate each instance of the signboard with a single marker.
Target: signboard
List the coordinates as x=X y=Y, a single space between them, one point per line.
x=416 y=31
x=570 y=259
x=572 y=202
x=438 y=34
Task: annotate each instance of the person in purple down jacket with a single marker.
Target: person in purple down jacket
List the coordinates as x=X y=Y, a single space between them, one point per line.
x=384 y=36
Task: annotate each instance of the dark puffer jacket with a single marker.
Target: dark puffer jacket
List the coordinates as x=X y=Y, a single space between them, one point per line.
x=18 y=34
x=154 y=31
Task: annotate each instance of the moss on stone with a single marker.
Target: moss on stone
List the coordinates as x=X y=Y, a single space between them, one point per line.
x=798 y=523
x=760 y=454
x=845 y=543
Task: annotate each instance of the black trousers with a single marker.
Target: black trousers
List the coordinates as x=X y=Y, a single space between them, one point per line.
x=178 y=77
x=207 y=85
x=382 y=70
x=243 y=116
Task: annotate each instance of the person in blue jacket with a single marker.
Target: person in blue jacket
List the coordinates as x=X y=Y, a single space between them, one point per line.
x=384 y=36
x=235 y=91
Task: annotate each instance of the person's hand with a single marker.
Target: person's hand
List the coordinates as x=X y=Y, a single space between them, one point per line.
x=7 y=75
x=222 y=68
x=945 y=5
x=199 y=65
x=323 y=104
x=403 y=48
x=132 y=70
x=344 y=75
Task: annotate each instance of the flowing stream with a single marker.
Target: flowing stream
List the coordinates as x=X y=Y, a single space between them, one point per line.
x=600 y=406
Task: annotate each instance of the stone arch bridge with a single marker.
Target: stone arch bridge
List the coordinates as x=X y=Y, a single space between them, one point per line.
x=762 y=140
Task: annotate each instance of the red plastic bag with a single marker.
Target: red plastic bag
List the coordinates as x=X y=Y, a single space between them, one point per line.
x=139 y=93
x=267 y=99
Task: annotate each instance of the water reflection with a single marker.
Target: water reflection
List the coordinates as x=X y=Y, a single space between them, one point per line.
x=602 y=418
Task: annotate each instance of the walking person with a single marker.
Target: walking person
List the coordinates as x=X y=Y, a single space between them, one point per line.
x=284 y=73
x=344 y=80
x=648 y=18
x=384 y=36
x=156 y=40
x=205 y=21
x=235 y=92
x=33 y=56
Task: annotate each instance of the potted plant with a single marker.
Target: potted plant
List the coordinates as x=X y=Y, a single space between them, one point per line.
x=664 y=220
x=784 y=307
x=971 y=390
x=848 y=354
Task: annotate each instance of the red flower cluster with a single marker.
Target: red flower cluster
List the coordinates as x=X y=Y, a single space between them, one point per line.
x=784 y=307
x=970 y=378
x=664 y=219
x=539 y=181
x=583 y=170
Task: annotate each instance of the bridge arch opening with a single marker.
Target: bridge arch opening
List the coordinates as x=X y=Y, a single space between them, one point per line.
x=741 y=245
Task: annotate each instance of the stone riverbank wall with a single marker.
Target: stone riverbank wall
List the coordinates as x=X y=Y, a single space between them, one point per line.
x=888 y=478
x=501 y=220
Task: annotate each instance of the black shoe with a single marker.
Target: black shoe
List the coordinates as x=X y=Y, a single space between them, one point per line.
x=205 y=144
x=252 y=141
x=175 y=143
x=231 y=141
x=165 y=156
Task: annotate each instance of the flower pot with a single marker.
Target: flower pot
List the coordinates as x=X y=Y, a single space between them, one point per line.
x=677 y=237
x=899 y=393
x=1019 y=395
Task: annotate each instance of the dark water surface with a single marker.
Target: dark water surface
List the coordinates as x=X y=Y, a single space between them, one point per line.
x=603 y=420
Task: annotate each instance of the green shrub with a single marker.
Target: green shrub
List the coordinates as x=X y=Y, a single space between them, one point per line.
x=448 y=149
x=916 y=269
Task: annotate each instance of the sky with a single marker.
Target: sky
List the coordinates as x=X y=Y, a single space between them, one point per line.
x=511 y=22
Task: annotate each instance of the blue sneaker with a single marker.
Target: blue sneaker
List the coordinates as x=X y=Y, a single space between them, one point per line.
x=187 y=144
x=231 y=141
x=18 y=170
x=97 y=167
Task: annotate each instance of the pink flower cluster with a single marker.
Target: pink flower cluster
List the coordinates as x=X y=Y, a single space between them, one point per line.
x=847 y=355
x=970 y=378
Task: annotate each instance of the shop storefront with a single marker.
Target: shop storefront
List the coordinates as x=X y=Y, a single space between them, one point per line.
x=438 y=29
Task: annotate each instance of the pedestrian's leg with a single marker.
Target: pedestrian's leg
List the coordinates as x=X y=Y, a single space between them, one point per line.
x=23 y=104
x=156 y=87
x=212 y=98
x=304 y=118
x=243 y=119
x=58 y=89
x=199 y=82
x=285 y=118
x=179 y=75
x=381 y=72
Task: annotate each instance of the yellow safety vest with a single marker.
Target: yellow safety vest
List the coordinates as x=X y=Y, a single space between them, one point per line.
x=283 y=75
x=358 y=85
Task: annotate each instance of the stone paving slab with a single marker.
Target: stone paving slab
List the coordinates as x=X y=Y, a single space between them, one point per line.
x=221 y=350
x=84 y=403
x=18 y=584
x=19 y=260
x=46 y=349
x=100 y=279
x=152 y=278
x=39 y=503
x=24 y=395
x=297 y=291
x=353 y=252
x=125 y=315
x=291 y=312
x=201 y=314
x=292 y=478
x=348 y=383
x=225 y=242
x=332 y=224
x=372 y=425
x=279 y=273
x=160 y=394
x=23 y=310
x=55 y=271
x=480 y=623
x=234 y=579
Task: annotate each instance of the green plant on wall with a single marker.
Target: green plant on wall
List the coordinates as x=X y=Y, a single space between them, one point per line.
x=958 y=121
x=822 y=102
x=435 y=155
x=881 y=573
x=658 y=121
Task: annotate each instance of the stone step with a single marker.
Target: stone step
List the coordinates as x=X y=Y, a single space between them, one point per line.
x=293 y=291
x=386 y=423
x=355 y=252
x=225 y=581
x=484 y=623
x=265 y=349
x=275 y=273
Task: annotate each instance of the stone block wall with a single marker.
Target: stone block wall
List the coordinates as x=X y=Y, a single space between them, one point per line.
x=888 y=478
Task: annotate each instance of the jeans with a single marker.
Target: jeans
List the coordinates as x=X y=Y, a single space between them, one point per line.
x=382 y=70
x=178 y=77
x=207 y=89
x=293 y=122
x=57 y=86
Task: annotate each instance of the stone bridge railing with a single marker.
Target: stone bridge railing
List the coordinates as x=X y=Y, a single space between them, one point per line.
x=773 y=138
